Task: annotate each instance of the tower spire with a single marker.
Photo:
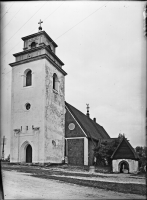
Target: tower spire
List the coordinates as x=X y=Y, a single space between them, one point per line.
x=40 y=28
x=88 y=115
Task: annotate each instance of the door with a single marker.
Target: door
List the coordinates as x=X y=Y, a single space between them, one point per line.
x=124 y=166
x=75 y=151
x=29 y=154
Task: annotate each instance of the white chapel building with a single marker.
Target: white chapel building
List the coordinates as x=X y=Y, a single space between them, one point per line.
x=38 y=102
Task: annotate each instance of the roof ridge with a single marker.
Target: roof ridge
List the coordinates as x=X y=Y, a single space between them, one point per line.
x=132 y=149
x=94 y=123
x=84 y=114
x=91 y=128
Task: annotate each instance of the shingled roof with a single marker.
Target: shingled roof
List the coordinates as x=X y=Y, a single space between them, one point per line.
x=90 y=127
x=122 y=152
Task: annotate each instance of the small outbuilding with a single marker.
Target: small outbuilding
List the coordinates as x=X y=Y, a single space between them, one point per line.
x=124 y=158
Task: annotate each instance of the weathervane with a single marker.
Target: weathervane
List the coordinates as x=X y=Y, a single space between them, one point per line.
x=88 y=110
x=40 y=28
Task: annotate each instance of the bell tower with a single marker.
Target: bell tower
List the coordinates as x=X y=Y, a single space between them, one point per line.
x=38 y=102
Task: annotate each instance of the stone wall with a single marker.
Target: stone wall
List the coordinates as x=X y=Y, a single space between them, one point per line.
x=54 y=116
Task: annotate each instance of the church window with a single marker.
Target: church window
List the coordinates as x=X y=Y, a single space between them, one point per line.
x=28 y=106
x=71 y=126
x=26 y=127
x=21 y=128
x=27 y=78
x=55 y=82
x=33 y=45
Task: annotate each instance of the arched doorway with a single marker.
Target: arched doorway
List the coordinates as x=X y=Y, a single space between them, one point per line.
x=29 y=154
x=124 y=167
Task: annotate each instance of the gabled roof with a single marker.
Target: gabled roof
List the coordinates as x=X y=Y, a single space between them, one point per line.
x=135 y=155
x=90 y=127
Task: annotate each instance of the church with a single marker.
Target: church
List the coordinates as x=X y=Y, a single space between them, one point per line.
x=44 y=127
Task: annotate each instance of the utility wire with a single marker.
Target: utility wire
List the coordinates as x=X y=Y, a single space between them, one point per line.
x=33 y=29
x=65 y=31
x=14 y=16
x=7 y=10
x=80 y=21
x=49 y=15
x=24 y=24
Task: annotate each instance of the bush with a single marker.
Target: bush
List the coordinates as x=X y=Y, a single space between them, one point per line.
x=8 y=158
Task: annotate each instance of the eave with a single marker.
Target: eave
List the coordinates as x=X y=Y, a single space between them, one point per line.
x=39 y=33
x=38 y=48
x=129 y=145
x=38 y=58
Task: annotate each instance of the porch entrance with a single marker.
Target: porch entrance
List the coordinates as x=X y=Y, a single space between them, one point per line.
x=124 y=167
x=29 y=154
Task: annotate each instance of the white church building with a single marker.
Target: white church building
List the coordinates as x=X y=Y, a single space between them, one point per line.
x=45 y=128
x=38 y=104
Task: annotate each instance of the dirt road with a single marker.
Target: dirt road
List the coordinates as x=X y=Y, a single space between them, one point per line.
x=23 y=186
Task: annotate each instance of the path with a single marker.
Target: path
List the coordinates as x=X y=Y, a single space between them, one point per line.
x=23 y=186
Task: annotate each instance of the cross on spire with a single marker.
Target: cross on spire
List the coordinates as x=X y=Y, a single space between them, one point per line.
x=40 y=28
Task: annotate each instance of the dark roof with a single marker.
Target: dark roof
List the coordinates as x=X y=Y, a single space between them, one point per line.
x=39 y=33
x=120 y=151
x=91 y=128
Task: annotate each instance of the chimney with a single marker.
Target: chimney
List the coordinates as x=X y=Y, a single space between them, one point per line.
x=94 y=119
x=88 y=115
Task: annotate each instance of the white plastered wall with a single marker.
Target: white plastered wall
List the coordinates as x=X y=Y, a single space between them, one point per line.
x=21 y=117
x=85 y=151
x=133 y=165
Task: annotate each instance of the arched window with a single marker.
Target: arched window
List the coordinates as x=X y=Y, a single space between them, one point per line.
x=33 y=44
x=55 y=82
x=27 y=78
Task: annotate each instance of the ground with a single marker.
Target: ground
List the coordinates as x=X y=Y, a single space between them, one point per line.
x=27 y=182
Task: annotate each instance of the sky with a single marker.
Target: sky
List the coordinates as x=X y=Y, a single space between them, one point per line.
x=103 y=47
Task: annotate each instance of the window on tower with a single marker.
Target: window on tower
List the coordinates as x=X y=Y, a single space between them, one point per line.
x=33 y=45
x=55 y=82
x=27 y=78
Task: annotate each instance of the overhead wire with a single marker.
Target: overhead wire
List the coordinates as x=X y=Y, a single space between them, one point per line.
x=68 y=29
x=7 y=10
x=24 y=24
x=34 y=29
x=81 y=21
x=50 y=14
x=14 y=16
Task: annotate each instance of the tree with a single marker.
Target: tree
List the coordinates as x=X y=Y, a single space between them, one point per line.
x=104 y=151
x=142 y=153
